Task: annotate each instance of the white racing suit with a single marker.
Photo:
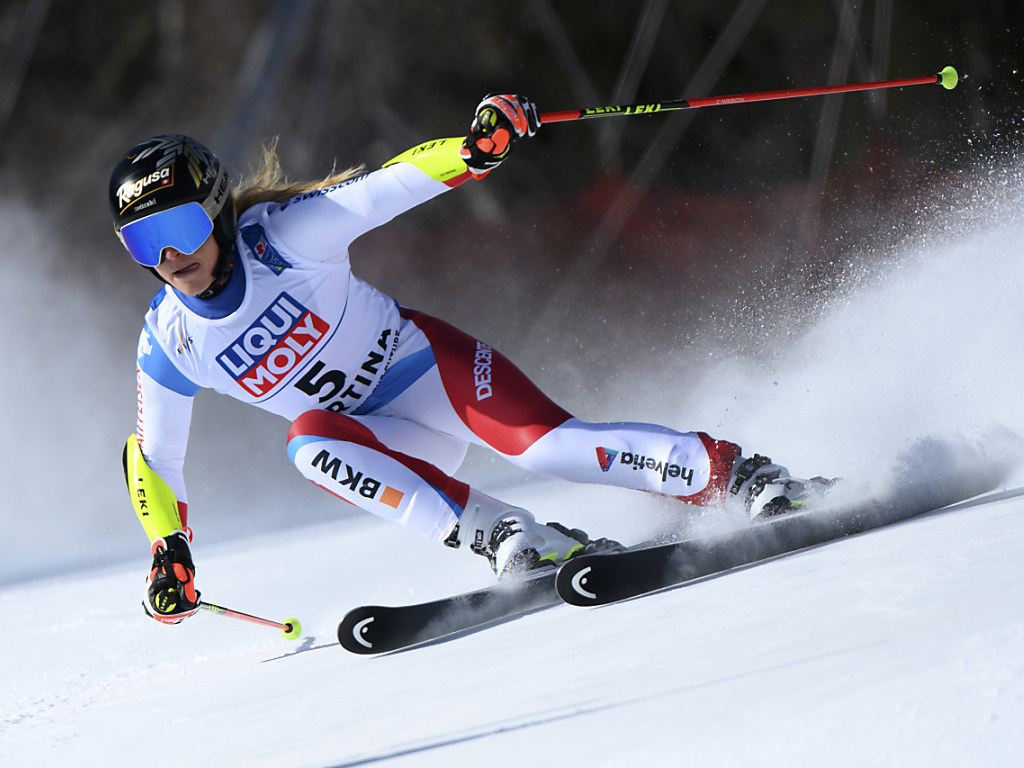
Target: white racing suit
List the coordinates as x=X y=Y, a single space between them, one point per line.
x=384 y=400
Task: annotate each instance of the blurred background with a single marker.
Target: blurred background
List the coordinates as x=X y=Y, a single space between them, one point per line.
x=617 y=261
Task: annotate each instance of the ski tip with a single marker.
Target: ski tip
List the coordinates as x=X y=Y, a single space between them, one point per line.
x=948 y=78
x=573 y=583
x=356 y=632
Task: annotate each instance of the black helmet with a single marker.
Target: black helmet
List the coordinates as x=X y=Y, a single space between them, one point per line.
x=166 y=173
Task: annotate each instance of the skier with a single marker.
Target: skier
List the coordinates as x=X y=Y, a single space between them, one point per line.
x=384 y=400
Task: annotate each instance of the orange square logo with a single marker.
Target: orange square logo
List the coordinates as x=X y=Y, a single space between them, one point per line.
x=391 y=497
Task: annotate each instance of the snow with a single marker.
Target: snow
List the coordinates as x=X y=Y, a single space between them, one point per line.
x=897 y=647
x=901 y=646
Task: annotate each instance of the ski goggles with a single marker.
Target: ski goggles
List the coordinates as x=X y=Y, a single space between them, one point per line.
x=183 y=228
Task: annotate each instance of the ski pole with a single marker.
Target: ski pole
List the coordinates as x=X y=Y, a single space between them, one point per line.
x=290 y=628
x=947 y=78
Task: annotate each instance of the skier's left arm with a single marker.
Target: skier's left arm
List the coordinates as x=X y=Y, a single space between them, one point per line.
x=499 y=122
x=321 y=225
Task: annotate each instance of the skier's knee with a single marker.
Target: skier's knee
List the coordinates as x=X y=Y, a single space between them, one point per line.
x=327 y=424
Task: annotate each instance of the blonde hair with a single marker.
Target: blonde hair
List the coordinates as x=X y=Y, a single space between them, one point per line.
x=269 y=184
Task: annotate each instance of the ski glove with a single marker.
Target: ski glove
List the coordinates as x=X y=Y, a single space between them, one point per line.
x=501 y=119
x=171 y=595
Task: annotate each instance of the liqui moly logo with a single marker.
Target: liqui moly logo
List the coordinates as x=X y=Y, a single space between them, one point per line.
x=273 y=346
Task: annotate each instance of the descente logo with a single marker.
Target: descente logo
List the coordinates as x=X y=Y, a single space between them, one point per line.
x=482 y=371
x=273 y=346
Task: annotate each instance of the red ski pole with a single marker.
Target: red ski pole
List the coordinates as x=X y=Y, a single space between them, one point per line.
x=290 y=628
x=947 y=78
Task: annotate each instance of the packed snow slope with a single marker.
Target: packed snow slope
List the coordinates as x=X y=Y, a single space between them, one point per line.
x=897 y=647
x=901 y=646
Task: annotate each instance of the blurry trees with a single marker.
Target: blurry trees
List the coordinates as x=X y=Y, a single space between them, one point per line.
x=358 y=81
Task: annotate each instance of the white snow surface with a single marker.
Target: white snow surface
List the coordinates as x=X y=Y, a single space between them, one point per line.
x=901 y=646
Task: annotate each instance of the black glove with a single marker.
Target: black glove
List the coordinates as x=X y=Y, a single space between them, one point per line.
x=171 y=594
x=501 y=119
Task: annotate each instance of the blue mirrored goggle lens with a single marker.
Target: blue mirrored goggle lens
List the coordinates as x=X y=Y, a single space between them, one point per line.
x=184 y=228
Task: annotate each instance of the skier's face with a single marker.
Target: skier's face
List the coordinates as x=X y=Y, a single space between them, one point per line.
x=190 y=273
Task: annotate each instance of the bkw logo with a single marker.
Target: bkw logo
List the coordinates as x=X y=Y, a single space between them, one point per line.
x=273 y=346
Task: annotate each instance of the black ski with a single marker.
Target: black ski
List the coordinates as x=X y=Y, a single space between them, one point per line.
x=373 y=629
x=606 y=578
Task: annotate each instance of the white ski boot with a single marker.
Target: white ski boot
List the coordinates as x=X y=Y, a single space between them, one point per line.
x=762 y=489
x=514 y=542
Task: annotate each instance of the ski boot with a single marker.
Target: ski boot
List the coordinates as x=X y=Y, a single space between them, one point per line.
x=514 y=542
x=171 y=594
x=761 y=489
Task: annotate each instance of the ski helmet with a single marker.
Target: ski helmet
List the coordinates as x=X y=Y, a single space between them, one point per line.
x=170 y=190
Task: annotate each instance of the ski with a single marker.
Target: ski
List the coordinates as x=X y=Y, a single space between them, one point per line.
x=372 y=629
x=599 y=579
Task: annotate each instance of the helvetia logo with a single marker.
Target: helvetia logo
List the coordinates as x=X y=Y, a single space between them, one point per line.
x=661 y=467
x=273 y=346
x=606 y=457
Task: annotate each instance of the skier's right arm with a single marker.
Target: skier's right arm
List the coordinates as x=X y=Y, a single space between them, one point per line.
x=156 y=506
x=165 y=397
x=153 y=459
